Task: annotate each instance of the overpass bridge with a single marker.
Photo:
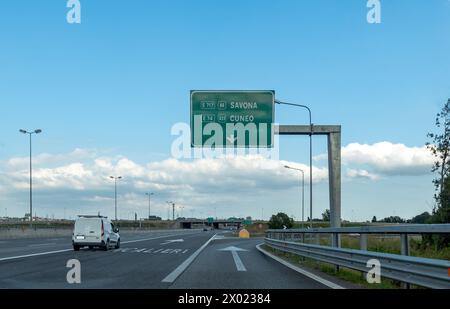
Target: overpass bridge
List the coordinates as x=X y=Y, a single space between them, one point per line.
x=216 y=224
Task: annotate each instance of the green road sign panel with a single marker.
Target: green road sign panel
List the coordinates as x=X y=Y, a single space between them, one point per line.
x=231 y=119
x=210 y=220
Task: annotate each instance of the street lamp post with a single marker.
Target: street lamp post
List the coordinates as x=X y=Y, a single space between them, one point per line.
x=310 y=154
x=149 y=195
x=170 y=203
x=115 y=193
x=303 y=190
x=30 y=133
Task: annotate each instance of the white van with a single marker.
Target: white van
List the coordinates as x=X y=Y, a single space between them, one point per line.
x=95 y=231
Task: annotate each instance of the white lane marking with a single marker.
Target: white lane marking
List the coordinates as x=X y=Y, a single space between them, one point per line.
x=301 y=271
x=39 y=245
x=180 y=269
x=139 y=240
x=171 y=241
x=34 y=254
x=237 y=260
x=67 y=250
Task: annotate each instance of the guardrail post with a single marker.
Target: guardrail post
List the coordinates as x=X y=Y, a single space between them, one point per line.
x=317 y=239
x=363 y=241
x=404 y=244
x=336 y=243
x=335 y=240
x=404 y=250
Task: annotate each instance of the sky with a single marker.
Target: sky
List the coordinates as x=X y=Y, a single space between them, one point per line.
x=107 y=92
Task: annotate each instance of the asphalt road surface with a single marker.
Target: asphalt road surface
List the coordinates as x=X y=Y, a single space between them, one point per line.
x=164 y=259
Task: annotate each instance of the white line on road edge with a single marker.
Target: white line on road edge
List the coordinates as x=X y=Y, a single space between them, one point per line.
x=237 y=260
x=39 y=245
x=67 y=250
x=299 y=270
x=34 y=254
x=180 y=269
x=140 y=240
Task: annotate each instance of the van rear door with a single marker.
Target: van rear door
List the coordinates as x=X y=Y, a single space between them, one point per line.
x=88 y=230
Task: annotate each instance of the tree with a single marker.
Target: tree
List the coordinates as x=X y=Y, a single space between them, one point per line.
x=440 y=148
x=393 y=219
x=441 y=214
x=326 y=215
x=280 y=220
x=422 y=218
x=374 y=219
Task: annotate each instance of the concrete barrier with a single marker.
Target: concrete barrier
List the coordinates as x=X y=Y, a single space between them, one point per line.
x=11 y=233
x=26 y=232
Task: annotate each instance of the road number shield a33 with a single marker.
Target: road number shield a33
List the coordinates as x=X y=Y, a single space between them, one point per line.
x=232 y=119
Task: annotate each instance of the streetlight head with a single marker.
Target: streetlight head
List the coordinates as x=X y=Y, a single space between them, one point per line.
x=286 y=166
x=112 y=177
x=38 y=131
x=23 y=131
x=120 y=177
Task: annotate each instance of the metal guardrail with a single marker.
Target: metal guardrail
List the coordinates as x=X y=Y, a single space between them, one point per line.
x=389 y=229
x=431 y=273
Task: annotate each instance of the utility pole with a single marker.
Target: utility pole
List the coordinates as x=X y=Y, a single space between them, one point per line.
x=173 y=211
x=311 y=128
x=170 y=203
x=31 y=172
x=303 y=190
x=149 y=194
x=115 y=193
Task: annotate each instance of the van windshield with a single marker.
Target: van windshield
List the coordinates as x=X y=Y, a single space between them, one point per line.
x=86 y=225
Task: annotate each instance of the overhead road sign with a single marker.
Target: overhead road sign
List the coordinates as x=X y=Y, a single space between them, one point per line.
x=232 y=118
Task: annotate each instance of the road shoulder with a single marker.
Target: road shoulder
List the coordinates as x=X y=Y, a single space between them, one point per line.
x=325 y=279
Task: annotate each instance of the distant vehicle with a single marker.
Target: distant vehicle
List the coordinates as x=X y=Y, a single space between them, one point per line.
x=95 y=231
x=205 y=229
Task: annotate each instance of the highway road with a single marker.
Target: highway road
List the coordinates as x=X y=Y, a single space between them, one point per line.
x=158 y=260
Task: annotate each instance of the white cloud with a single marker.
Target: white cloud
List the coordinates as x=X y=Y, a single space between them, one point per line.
x=352 y=173
x=81 y=180
x=385 y=158
x=46 y=158
x=181 y=179
x=390 y=159
x=84 y=186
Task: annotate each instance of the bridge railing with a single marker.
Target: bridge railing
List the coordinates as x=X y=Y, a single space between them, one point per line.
x=426 y=272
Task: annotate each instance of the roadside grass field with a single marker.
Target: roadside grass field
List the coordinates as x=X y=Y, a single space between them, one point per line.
x=391 y=244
